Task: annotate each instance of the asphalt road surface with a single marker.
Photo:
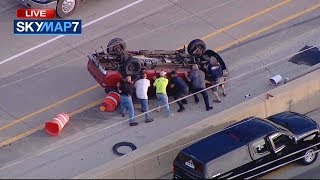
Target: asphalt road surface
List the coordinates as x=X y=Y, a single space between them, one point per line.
x=43 y=76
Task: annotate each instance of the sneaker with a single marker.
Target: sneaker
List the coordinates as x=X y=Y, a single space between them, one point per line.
x=170 y=115
x=181 y=109
x=197 y=102
x=148 y=120
x=134 y=124
x=208 y=109
x=217 y=101
x=224 y=94
x=123 y=114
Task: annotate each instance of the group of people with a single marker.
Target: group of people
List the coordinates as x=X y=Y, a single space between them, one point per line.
x=196 y=78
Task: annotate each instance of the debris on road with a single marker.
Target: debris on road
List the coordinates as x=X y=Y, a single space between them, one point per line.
x=55 y=126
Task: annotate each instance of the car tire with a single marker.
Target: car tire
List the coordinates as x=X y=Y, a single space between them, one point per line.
x=111 y=47
x=194 y=44
x=66 y=7
x=311 y=158
x=116 y=146
x=131 y=67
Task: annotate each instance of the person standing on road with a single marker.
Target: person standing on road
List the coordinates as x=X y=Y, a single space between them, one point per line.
x=125 y=88
x=161 y=84
x=209 y=53
x=181 y=89
x=142 y=86
x=215 y=70
x=197 y=79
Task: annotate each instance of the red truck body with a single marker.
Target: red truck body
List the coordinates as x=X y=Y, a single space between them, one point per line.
x=109 y=80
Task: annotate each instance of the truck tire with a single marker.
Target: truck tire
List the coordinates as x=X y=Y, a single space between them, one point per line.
x=311 y=156
x=131 y=66
x=114 y=43
x=116 y=146
x=194 y=44
x=210 y=53
x=66 y=7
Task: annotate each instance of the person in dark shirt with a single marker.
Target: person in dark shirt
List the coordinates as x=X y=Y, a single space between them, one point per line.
x=126 y=90
x=181 y=89
x=209 y=53
x=197 y=79
x=215 y=70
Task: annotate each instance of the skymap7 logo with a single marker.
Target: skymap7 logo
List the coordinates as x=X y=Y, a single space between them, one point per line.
x=47 y=27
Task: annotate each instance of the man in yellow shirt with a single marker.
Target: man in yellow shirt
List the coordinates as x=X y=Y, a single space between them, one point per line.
x=161 y=84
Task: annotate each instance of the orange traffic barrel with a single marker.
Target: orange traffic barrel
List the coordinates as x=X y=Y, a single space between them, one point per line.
x=55 y=126
x=110 y=103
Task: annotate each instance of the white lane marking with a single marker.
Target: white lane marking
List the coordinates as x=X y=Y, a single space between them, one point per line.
x=58 y=37
x=140 y=35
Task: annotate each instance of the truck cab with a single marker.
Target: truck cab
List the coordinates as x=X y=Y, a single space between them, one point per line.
x=250 y=148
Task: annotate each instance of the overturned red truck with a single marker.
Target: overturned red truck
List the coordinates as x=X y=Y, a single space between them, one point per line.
x=110 y=65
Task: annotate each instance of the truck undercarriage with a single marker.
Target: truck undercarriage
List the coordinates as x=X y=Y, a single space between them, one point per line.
x=133 y=62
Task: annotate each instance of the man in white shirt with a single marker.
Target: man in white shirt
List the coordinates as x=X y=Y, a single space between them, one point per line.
x=142 y=86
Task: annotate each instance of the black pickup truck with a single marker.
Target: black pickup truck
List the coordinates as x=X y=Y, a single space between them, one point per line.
x=250 y=148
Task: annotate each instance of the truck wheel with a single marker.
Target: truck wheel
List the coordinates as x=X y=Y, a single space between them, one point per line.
x=196 y=44
x=210 y=53
x=311 y=156
x=116 y=146
x=131 y=67
x=116 y=43
x=66 y=7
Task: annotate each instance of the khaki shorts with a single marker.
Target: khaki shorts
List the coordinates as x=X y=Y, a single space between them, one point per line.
x=225 y=73
x=217 y=81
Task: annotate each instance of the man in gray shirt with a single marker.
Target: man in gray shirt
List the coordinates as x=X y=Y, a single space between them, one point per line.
x=197 y=79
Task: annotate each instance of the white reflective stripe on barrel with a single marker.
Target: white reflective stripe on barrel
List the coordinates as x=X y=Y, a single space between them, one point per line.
x=113 y=99
x=116 y=93
x=63 y=117
x=59 y=121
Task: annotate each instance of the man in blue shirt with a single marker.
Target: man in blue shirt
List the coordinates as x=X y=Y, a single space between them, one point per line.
x=181 y=89
x=215 y=70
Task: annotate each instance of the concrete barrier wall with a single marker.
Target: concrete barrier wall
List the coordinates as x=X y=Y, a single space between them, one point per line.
x=293 y=94
x=155 y=159
x=120 y=168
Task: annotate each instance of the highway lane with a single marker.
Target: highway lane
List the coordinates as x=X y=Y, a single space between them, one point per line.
x=313 y=173
x=42 y=78
x=89 y=12
x=74 y=64
x=246 y=52
x=79 y=148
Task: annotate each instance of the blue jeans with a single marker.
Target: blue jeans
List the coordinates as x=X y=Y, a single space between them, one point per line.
x=126 y=103
x=163 y=100
x=145 y=107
